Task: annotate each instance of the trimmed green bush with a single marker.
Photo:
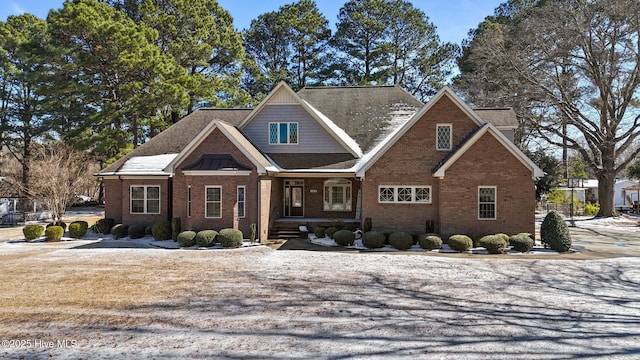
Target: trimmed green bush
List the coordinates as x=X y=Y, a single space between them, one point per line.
x=531 y=236
x=504 y=237
x=161 y=230
x=147 y=231
x=344 y=237
x=460 y=243
x=319 y=231
x=555 y=233
x=136 y=231
x=330 y=231
x=104 y=226
x=475 y=238
x=176 y=228
x=119 y=231
x=430 y=242
x=32 y=232
x=54 y=233
x=373 y=239
x=206 y=238
x=62 y=224
x=368 y=225
x=521 y=242
x=495 y=244
x=401 y=240
x=78 y=229
x=187 y=238
x=229 y=238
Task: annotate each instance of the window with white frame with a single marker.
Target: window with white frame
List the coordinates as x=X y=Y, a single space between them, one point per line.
x=443 y=137
x=145 y=199
x=487 y=202
x=404 y=194
x=241 y=201
x=189 y=201
x=283 y=133
x=337 y=195
x=213 y=202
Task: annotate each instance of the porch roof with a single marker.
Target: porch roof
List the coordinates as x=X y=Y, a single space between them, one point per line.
x=216 y=162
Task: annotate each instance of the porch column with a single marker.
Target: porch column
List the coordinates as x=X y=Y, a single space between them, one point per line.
x=265 y=209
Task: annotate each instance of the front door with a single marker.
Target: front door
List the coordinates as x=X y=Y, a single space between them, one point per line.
x=294 y=198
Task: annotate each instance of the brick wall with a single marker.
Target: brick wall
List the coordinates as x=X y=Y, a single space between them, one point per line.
x=113 y=199
x=143 y=219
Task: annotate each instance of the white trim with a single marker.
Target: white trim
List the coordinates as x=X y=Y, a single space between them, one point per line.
x=145 y=200
x=413 y=194
x=444 y=125
x=188 y=196
x=347 y=188
x=207 y=187
x=135 y=177
x=495 y=202
x=244 y=201
x=278 y=123
x=217 y=172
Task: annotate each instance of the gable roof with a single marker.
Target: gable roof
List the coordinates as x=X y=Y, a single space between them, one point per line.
x=254 y=155
x=501 y=117
x=174 y=139
x=441 y=168
x=283 y=94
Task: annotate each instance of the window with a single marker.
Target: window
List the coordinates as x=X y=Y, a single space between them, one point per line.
x=145 y=199
x=404 y=194
x=213 y=202
x=241 y=201
x=443 y=137
x=188 y=201
x=283 y=133
x=337 y=195
x=487 y=203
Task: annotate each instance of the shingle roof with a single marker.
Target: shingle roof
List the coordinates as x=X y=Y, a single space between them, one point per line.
x=499 y=117
x=216 y=162
x=366 y=113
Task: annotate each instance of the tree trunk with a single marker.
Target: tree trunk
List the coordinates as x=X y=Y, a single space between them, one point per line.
x=606 y=182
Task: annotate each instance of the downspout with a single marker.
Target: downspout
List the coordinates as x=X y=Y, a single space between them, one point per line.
x=258 y=214
x=170 y=195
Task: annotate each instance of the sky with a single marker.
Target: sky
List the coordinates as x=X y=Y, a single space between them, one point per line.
x=453 y=18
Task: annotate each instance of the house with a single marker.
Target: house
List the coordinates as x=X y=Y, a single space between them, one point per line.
x=332 y=154
x=626 y=193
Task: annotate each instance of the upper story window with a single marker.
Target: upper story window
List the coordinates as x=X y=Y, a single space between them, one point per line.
x=443 y=137
x=283 y=133
x=145 y=199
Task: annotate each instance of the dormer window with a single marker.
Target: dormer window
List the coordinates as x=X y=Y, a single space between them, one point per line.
x=282 y=133
x=443 y=137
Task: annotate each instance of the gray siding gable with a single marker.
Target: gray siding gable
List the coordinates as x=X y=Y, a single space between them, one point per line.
x=312 y=137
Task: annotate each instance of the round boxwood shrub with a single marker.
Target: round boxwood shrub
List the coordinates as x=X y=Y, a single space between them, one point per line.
x=119 y=231
x=104 y=226
x=555 y=233
x=62 y=224
x=494 y=244
x=206 y=238
x=504 y=237
x=161 y=230
x=229 y=238
x=187 y=238
x=319 y=231
x=429 y=241
x=136 y=231
x=78 y=229
x=32 y=232
x=54 y=233
x=401 y=240
x=460 y=243
x=344 y=237
x=521 y=242
x=330 y=231
x=374 y=239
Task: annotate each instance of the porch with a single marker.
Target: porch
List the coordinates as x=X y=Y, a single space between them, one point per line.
x=290 y=227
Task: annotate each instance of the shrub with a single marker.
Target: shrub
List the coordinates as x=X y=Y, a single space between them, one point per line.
x=460 y=243
x=430 y=226
x=504 y=237
x=119 y=231
x=555 y=233
x=252 y=229
x=187 y=238
x=32 y=232
x=475 y=238
x=373 y=239
x=54 y=233
x=330 y=231
x=58 y=223
x=521 y=242
x=176 y=228
x=368 y=225
x=206 y=238
x=344 y=237
x=591 y=209
x=161 y=230
x=230 y=237
x=78 y=229
x=531 y=236
x=136 y=231
x=104 y=226
x=401 y=240
x=495 y=244
x=429 y=241
x=148 y=231
x=319 y=231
